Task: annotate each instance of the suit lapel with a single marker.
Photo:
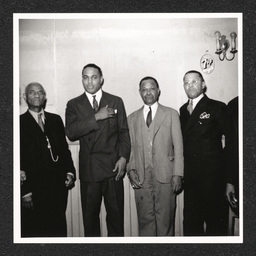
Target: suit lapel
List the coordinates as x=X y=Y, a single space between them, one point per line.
x=197 y=111
x=85 y=108
x=138 y=126
x=159 y=118
x=102 y=124
x=32 y=123
x=85 y=104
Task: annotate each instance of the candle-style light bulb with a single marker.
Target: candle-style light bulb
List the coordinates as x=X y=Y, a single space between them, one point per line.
x=217 y=35
x=233 y=36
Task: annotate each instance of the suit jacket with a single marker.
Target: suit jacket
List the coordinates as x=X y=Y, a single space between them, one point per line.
x=167 y=151
x=44 y=177
x=232 y=148
x=102 y=142
x=202 y=136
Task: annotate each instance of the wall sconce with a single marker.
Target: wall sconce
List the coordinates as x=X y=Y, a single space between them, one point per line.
x=222 y=45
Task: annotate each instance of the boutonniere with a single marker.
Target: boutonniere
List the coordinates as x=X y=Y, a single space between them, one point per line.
x=204 y=116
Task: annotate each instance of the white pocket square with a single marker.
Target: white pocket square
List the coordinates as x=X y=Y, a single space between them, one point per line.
x=204 y=116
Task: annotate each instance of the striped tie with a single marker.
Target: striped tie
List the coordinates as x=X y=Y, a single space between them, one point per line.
x=149 y=117
x=95 y=104
x=40 y=122
x=190 y=107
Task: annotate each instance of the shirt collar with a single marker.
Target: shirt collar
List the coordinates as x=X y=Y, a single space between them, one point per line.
x=35 y=115
x=196 y=100
x=153 y=109
x=98 y=95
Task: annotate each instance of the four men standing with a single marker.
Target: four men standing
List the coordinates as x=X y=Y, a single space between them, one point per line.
x=153 y=152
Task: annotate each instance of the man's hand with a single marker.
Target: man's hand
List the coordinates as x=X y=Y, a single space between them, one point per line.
x=176 y=183
x=27 y=202
x=105 y=113
x=69 y=181
x=120 y=168
x=230 y=194
x=23 y=176
x=134 y=179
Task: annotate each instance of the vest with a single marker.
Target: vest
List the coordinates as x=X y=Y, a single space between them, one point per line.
x=148 y=133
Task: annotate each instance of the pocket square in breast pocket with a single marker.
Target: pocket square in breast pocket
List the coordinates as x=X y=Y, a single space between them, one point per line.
x=204 y=115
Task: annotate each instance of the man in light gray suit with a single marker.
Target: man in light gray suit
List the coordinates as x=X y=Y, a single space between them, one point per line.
x=155 y=168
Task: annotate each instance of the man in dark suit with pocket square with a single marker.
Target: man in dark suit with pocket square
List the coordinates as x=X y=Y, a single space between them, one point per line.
x=98 y=120
x=203 y=125
x=47 y=170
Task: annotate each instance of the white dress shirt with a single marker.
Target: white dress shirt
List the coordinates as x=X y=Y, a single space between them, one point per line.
x=196 y=100
x=98 y=97
x=35 y=115
x=153 y=109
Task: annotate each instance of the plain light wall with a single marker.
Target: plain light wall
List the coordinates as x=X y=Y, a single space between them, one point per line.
x=53 y=53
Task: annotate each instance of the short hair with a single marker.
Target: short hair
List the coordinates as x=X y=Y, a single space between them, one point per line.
x=149 y=78
x=27 y=87
x=91 y=65
x=194 y=71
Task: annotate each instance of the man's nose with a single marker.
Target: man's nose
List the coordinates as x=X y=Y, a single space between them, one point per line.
x=190 y=84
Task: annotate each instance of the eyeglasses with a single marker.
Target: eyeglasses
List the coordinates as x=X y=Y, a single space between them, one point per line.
x=192 y=82
x=34 y=93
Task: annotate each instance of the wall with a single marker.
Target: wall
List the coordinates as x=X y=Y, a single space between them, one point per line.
x=54 y=51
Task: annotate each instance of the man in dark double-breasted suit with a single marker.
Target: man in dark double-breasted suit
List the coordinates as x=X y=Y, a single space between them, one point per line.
x=203 y=125
x=98 y=120
x=47 y=166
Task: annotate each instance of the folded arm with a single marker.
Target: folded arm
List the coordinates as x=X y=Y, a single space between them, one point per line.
x=78 y=125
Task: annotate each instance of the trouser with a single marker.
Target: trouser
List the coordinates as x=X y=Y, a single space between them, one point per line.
x=155 y=203
x=204 y=205
x=91 y=196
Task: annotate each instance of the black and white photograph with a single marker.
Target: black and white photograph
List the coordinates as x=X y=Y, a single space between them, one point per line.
x=128 y=128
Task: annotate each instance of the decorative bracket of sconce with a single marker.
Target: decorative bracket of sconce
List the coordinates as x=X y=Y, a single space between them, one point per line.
x=222 y=45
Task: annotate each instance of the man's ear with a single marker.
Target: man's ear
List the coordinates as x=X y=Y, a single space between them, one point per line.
x=102 y=80
x=203 y=84
x=159 y=93
x=25 y=96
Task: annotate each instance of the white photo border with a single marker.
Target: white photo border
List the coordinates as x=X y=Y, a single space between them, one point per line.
x=16 y=110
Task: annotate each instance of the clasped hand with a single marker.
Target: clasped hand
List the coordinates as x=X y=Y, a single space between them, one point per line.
x=105 y=113
x=120 y=168
x=230 y=194
x=69 y=181
x=176 y=181
x=27 y=201
x=23 y=176
x=134 y=179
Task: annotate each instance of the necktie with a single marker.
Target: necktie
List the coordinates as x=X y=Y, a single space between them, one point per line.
x=149 y=117
x=190 y=107
x=95 y=104
x=40 y=122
